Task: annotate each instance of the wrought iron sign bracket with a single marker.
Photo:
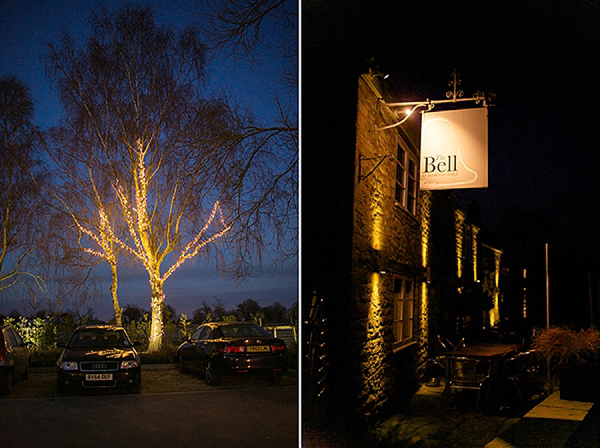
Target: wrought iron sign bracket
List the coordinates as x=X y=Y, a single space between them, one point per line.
x=454 y=96
x=379 y=159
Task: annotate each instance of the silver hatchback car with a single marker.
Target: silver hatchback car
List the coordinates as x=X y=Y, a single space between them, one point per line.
x=14 y=358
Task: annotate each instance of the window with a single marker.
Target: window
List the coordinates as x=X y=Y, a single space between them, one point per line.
x=10 y=338
x=18 y=339
x=400 y=175
x=406 y=180
x=404 y=300
x=196 y=334
x=206 y=333
x=411 y=190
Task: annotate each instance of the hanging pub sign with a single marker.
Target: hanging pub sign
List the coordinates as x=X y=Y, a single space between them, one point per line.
x=454 y=149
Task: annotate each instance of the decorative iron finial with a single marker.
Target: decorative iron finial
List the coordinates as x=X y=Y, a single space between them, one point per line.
x=454 y=83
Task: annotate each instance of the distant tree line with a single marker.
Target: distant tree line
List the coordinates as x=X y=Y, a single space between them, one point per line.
x=45 y=329
x=247 y=311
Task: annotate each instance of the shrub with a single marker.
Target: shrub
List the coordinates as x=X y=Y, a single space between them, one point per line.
x=165 y=355
x=563 y=346
x=44 y=357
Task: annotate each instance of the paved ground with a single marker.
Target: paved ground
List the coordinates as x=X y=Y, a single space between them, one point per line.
x=173 y=410
x=434 y=421
x=431 y=420
x=158 y=378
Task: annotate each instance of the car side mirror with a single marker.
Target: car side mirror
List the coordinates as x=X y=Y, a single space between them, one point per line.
x=29 y=344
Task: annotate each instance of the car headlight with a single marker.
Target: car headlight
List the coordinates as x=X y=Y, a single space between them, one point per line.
x=129 y=364
x=68 y=365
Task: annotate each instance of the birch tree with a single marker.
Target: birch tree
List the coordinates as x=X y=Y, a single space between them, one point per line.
x=172 y=169
x=21 y=205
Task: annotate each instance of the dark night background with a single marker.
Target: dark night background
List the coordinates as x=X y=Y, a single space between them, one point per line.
x=539 y=58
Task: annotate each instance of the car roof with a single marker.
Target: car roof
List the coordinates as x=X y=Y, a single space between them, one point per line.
x=223 y=324
x=99 y=327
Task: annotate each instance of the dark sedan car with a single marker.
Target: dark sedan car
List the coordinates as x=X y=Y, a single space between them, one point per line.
x=220 y=348
x=14 y=358
x=99 y=356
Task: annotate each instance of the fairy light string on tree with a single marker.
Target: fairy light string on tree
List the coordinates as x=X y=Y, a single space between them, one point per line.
x=143 y=246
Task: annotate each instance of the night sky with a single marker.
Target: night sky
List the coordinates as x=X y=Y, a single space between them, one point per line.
x=539 y=58
x=541 y=61
x=25 y=26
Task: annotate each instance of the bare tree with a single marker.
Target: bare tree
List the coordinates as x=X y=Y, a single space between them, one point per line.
x=246 y=29
x=21 y=204
x=87 y=207
x=170 y=169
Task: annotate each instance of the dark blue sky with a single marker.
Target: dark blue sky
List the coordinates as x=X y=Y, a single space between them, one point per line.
x=25 y=25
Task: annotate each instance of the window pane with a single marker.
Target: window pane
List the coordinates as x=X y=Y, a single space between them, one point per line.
x=412 y=169
x=400 y=175
x=399 y=196
x=408 y=289
x=407 y=329
x=398 y=286
x=408 y=309
x=400 y=155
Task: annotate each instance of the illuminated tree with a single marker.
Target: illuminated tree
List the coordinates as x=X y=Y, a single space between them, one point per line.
x=84 y=198
x=21 y=205
x=172 y=169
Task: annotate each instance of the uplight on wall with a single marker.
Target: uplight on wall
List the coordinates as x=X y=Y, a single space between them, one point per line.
x=373 y=351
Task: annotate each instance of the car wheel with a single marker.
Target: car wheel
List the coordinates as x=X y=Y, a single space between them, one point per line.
x=181 y=364
x=211 y=375
x=6 y=382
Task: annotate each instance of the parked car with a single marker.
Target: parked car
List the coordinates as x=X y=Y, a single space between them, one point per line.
x=14 y=358
x=220 y=348
x=99 y=356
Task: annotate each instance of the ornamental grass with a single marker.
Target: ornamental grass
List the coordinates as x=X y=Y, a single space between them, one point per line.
x=563 y=346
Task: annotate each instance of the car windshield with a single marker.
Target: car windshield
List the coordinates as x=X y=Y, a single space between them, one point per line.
x=234 y=331
x=99 y=339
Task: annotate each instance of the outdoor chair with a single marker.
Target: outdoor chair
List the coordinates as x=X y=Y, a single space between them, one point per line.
x=467 y=374
x=522 y=376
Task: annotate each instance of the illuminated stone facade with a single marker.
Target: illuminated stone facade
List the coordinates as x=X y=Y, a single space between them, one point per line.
x=430 y=249
x=386 y=249
x=382 y=258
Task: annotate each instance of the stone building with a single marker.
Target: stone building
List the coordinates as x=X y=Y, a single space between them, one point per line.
x=387 y=268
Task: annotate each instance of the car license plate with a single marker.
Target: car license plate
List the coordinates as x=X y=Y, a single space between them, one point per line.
x=98 y=377
x=258 y=348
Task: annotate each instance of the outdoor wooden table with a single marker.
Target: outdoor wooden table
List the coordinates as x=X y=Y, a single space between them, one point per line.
x=485 y=351
x=488 y=357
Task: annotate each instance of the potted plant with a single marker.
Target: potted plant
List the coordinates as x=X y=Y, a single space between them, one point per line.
x=575 y=357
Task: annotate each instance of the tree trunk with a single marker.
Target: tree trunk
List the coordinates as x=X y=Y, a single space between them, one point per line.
x=156 y=326
x=115 y=299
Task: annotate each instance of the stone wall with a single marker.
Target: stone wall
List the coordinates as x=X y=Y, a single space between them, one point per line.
x=386 y=238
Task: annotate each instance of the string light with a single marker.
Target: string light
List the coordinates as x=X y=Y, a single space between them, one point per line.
x=138 y=223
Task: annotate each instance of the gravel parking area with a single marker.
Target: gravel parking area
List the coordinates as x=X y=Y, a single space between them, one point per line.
x=156 y=379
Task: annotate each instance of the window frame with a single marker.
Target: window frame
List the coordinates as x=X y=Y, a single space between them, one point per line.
x=406 y=177
x=404 y=300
